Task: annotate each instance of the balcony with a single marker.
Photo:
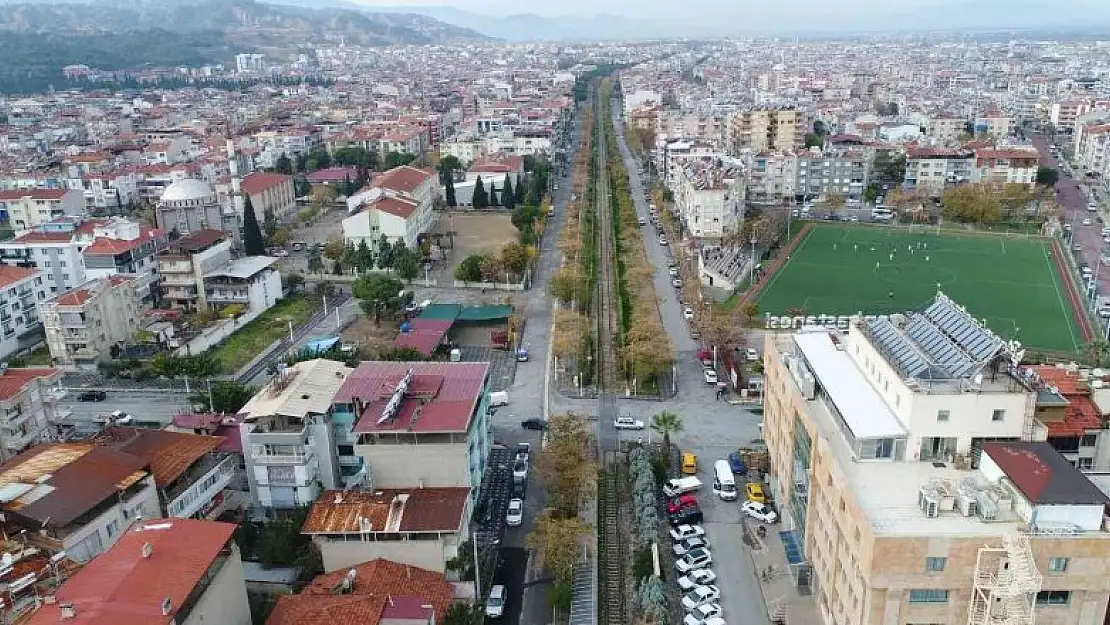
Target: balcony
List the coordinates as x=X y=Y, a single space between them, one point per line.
x=237 y=297
x=304 y=457
x=200 y=484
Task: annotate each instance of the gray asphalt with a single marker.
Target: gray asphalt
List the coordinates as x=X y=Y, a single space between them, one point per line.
x=158 y=406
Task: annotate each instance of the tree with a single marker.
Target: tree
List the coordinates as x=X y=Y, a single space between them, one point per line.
x=813 y=140
x=269 y=223
x=750 y=310
x=253 y=243
x=1047 y=176
x=508 y=197
x=835 y=202
x=971 y=204
x=318 y=159
x=519 y=199
x=406 y=263
x=385 y=253
x=480 y=199
x=322 y=195
x=333 y=249
x=564 y=464
x=470 y=269
x=492 y=194
x=284 y=165
x=376 y=291
x=463 y=613
x=557 y=544
x=227 y=397
x=819 y=128
x=397 y=159
x=447 y=167
x=666 y=423
x=315 y=263
x=1097 y=353
x=401 y=354
x=363 y=258
x=514 y=257
x=449 y=193
x=294 y=281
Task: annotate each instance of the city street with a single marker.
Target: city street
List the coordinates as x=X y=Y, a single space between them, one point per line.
x=151 y=406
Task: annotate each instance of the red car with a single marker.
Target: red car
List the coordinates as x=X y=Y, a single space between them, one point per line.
x=681 y=502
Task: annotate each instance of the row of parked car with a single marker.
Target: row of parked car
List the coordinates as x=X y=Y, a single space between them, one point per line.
x=700 y=593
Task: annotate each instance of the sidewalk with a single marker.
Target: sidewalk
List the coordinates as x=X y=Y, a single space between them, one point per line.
x=776 y=579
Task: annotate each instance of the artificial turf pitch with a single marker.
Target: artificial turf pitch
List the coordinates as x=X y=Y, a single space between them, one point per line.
x=1011 y=282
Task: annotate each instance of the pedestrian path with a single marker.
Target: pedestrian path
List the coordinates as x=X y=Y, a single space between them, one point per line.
x=787 y=602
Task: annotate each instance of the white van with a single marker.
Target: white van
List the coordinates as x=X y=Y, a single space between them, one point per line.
x=881 y=213
x=723 y=483
x=498 y=398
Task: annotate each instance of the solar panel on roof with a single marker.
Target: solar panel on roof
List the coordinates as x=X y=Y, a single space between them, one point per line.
x=899 y=350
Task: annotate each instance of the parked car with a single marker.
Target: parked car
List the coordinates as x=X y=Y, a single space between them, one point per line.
x=737 y=464
x=682 y=532
x=534 y=424
x=515 y=516
x=690 y=619
x=698 y=559
x=495 y=604
x=520 y=470
x=707 y=611
x=662 y=240
x=92 y=396
x=710 y=376
x=627 y=423
x=680 y=502
x=688 y=545
x=673 y=271
x=700 y=596
x=688 y=313
x=755 y=492
x=751 y=355
x=523 y=452
x=677 y=283
x=688 y=516
x=759 y=512
x=699 y=577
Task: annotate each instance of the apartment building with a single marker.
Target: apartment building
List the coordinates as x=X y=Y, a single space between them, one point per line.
x=29 y=408
x=183 y=264
x=398 y=204
x=288 y=438
x=771 y=177
x=994 y=123
x=709 y=127
x=270 y=193
x=418 y=526
x=820 y=174
x=765 y=128
x=251 y=282
x=946 y=128
x=106 y=191
x=77 y=497
x=915 y=483
x=1006 y=165
x=379 y=591
x=28 y=208
x=1064 y=113
x=123 y=247
x=83 y=323
x=928 y=169
x=678 y=155
x=21 y=290
x=165 y=571
x=415 y=424
x=709 y=199
x=1072 y=402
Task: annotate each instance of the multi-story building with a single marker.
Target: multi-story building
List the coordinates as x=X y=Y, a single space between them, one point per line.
x=420 y=526
x=415 y=424
x=398 y=205
x=29 y=408
x=765 y=128
x=183 y=264
x=84 y=323
x=21 y=290
x=29 y=208
x=288 y=437
x=1006 y=165
x=914 y=481
x=77 y=497
x=245 y=63
x=709 y=199
x=946 y=128
x=819 y=174
x=771 y=177
x=123 y=247
x=678 y=155
x=270 y=193
x=1064 y=113
x=162 y=571
x=994 y=123
x=929 y=169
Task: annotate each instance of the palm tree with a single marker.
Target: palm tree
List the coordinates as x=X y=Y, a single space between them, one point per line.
x=666 y=423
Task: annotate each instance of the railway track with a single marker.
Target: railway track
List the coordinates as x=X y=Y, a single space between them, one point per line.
x=606 y=284
x=612 y=545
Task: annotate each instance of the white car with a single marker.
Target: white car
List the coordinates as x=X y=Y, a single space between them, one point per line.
x=495 y=605
x=700 y=596
x=520 y=469
x=710 y=376
x=688 y=313
x=281 y=253
x=682 y=532
x=627 y=423
x=699 y=577
x=673 y=271
x=759 y=512
x=697 y=559
x=690 y=619
x=751 y=354
x=515 y=516
x=690 y=544
x=677 y=283
x=1086 y=222
x=662 y=240
x=707 y=611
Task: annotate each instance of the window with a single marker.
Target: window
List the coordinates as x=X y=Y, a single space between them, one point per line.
x=933 y=565
x=998 y=415
x=942 y=415
x=929 y=595
x=1085 y=463
x=1088 y=440
x=1053 y=597
x=1057 y=565
x=112 y=528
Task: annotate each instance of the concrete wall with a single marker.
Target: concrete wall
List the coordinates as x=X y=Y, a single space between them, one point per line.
x=428 y=554
x=225 y=600
x=213 y=334
x=405 y=466
x=111 y=524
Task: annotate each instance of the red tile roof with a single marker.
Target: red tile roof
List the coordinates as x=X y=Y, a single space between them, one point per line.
x=389 y=510
x=105 y=246
x=1081 y=414
x=332 y=610
x=38 y=236
x=403 y=178
x=424 y=335
x=395 y=206
x=498 y=162
x=333 y=174
x=386 y=578
x=169 y=454
x=15 y=380
x=121 y=587
x=1043 y=475
x=259 y=181
x=34 y=194
x=10 y=275
x=76 y=297
x=448 y=393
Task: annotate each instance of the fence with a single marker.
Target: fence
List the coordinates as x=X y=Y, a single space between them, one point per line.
x=212 y=335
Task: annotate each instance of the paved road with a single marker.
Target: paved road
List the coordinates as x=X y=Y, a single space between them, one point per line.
x=1073 y=199
x=158 y=406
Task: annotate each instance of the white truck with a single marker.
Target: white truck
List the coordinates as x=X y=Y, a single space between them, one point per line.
x=680 y=486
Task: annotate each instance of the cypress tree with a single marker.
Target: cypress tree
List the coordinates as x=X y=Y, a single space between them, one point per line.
x=508 y=198
x=253 y=243
x=480 y=199
x=449 y=191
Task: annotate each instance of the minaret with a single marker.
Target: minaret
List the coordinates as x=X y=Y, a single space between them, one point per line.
x=236 y=180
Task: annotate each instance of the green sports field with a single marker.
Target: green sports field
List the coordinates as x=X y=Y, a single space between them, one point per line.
x=1011 y=282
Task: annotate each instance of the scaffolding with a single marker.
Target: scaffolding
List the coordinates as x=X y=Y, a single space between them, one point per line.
x=1006 y=584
